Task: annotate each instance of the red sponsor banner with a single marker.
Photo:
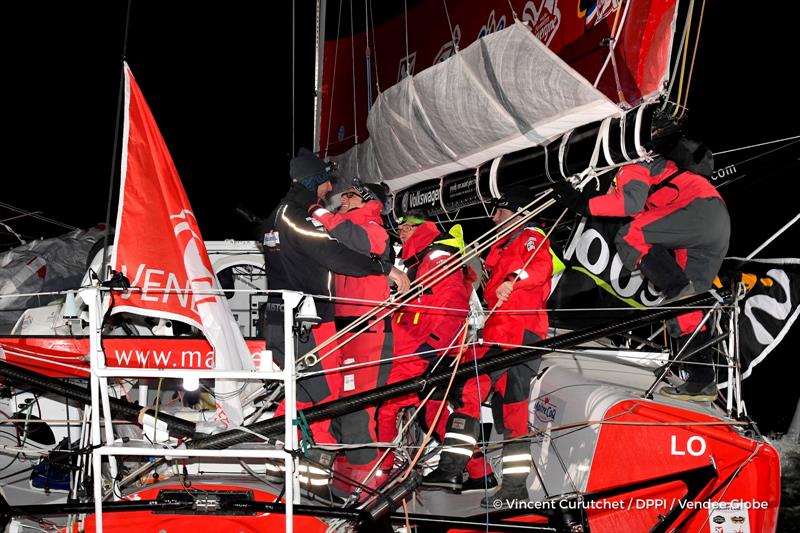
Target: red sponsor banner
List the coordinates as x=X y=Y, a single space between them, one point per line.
x=67 y=357
x=642 y=50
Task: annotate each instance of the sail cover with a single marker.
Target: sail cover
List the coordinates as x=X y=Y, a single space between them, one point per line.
x=505 y=92
x=158 y=247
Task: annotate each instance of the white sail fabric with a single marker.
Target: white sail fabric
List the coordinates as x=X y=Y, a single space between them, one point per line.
x=505 y=92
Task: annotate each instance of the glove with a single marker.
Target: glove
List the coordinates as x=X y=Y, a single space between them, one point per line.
x=570 y=198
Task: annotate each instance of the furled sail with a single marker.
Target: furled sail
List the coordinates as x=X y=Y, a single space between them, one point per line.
x=503 y=93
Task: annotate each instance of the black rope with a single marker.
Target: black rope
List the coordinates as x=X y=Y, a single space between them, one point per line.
x=117 y=135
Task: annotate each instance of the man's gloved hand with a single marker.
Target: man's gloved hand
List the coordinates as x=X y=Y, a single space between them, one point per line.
x=571 y=198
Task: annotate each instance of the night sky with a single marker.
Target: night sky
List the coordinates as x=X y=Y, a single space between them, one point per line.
x=218 y=78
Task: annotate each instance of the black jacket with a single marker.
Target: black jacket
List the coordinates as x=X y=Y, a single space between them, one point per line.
x=301 y=256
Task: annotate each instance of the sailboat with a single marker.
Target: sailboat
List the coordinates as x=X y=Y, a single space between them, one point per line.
x=610 y=455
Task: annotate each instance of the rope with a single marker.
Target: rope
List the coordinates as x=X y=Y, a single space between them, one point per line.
x=513 y=13
x=684 y=49
x=333 y=81
x=374 y=48
x=675 y=68
x=452 y=34
x=794 y=138
x=405 y=22
x=429 y=279
x=353 y=69
x=461 y=352
x=694 y=56
x=432 y=428
x=36 y=215
x=614 y=36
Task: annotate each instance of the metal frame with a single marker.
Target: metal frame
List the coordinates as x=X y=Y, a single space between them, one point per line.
x=99 y=394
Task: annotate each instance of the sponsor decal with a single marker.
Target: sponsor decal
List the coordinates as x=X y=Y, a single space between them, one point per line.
x=418 y=198
x=448 y=49
x=491 y=26
x=544 y=17
x=406 y=66
x=530 y=244
x=545 y=410
x=594 y=11
x=719 y=519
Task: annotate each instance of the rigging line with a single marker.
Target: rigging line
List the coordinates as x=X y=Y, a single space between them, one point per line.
x=793 y=138
x=23 y=215
x=333 y=80
x=37 y=216
x=731 y=480
x=775 y=236
x=614 y=35
x=435 y=421
x=117 y=135
x=449 y=265
x=694 y=56
x=513 y=15
x=759 y=156
x=460 y=355
x=405 y=21
x=374 y=47
x=684 y=50
x=353 y=69
x=450 y=25
x=675 y=67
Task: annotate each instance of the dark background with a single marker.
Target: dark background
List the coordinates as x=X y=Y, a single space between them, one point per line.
x=218 y=78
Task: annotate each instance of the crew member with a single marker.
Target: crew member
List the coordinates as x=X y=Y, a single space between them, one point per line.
x=519 y=268
x=674 y=208
x=301 y=256
x=429 y=326
x=358 y=225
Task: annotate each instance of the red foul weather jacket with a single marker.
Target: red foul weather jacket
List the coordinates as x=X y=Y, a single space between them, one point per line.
x=360 y=230
x=631 y=194
x=506 y=259
x=416 y=323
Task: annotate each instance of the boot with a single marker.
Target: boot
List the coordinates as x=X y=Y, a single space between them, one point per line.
x=459 y=441
x=659 y=267
x=517 y=464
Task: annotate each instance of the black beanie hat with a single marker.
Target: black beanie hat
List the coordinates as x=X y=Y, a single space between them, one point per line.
x=308 y=169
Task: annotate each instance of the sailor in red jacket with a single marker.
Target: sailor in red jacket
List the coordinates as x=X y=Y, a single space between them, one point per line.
x=358 y=225
x=430 y=325
x=520 y=267
x=674 y=208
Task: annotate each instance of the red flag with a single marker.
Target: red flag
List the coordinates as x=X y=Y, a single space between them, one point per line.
x=158 y=247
